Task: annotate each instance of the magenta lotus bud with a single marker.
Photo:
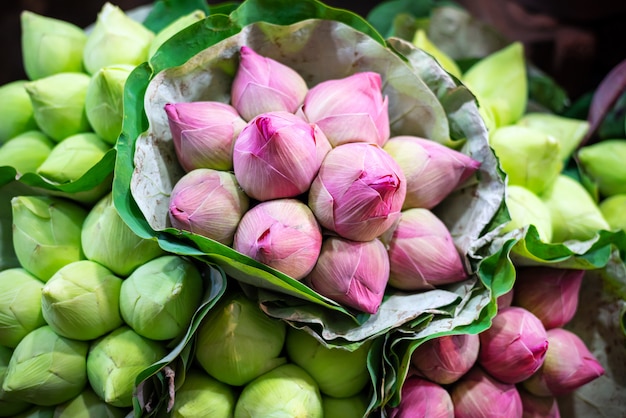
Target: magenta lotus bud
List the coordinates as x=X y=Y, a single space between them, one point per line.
x=358 y=192
x=551 y=294
x=515 y=345
x=278 y=154
x=422 y=398
x=568 y=365
x=446 y=359
x=264 y=85
x=432 y=170
x=538 y=406
x=353 y=273
x=208 y=202
x=204 y=133
x=479 y=395
x=282 y=234
x=350 y=109
x=422 y=254
x=506 y=299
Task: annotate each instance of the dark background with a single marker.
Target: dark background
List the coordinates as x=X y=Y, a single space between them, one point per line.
x=575 y=41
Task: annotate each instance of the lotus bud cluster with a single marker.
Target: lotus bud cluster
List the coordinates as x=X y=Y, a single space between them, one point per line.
x=16 y=110
x=204 y=133
x=26 y=151
x=423 y=398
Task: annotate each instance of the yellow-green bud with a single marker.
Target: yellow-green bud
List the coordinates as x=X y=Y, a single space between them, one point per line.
x=350 y=407
x=203 y=396
x=173 y=28
x=604 y=163
x=613 y=210
x=26 y=151
x=8 y=406
x=526 y=208
x=16 y=110
x=87 y=405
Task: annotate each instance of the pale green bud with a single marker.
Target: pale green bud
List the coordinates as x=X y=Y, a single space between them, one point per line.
x=286 y=391
x=173 y=28
x=8 y=406
x=104 y=101
x=604 y=163
x=574 y=213
x=568 y=131
x=612 y=209
x=50 y=46
x=71 y=158
x=81 y=300
x=59 y=104
x=526 y=208
x=87 y=405
x=159 y=298
x=16 y=110
x=203 y=396
x=115 y=360
x=20 y=305
x=46 y=233
x=116 y=39
x=46 y=368
x=26 y=151
x=107 y=239
x=351 y=407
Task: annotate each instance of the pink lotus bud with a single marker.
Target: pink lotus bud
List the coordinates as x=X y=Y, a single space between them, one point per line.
x=515 y=345
x=479 y=395
x=358 y=192
x=208 y=202
x=353 y=273
x=422 y=398
x=551 y=294
x=278 y=155
x=432 y=170
x=505 y=300
x=350 y=109
x=282 y=234
x=568 y=365
x=422 y=254
x=538 y=406
x=264 y=85
x=203 y=133
x=446 y=359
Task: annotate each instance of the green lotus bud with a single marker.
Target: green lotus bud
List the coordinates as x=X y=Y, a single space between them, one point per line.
x=528 y=156
x=103 y=103
x=16 y=110
x=421 y=41
x=8 y=406
x=237 y=342
x=338 y=372
x=87 y=405
x=36 y=411
x=50 y=46
x=568 y=131
x=604 y=163
x=20 y=305
x=203 y=396
x=159 y=298
x=46 y=233
x=173 y=28
x=46 y=368
x=286 y=391
x=59 y=104
x=71 y=158
x=26 y=151
x=116 y=39
x=526 y=208
x=351 y=407
x=81 y=300
x=499 y=82
x=115 y=360
x=107 y=239
x=574 y=213
x=612 y=209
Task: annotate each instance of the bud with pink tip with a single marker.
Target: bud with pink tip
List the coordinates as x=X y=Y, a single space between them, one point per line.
x=515 y=345
x=265 y=85
x=358 y=192
x=203 y=133
x=422 y=398
x=432 y=170
x=282 y=234
x=353 y=273
x=277 y=155
x=350 y=109
x=422 y=254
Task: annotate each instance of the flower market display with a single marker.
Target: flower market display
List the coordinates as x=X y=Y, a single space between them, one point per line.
x=251 y=209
